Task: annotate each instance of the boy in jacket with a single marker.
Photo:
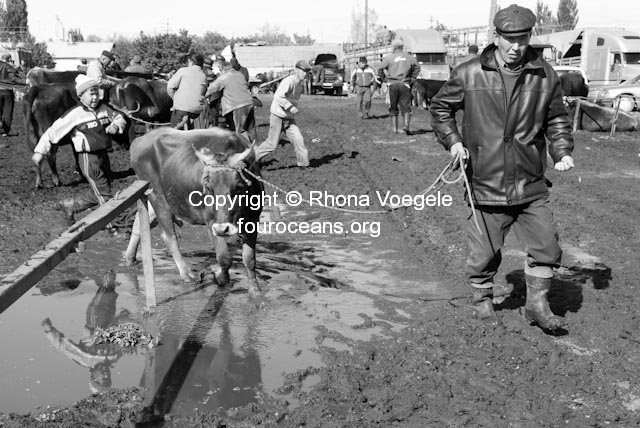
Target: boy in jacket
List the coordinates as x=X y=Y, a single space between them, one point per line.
x=90 y=125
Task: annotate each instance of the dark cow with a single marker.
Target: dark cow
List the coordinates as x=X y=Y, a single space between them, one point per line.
x=144 y=99
x=41 y=106
x=425 y=89
x=573 y=85
x=596 y=118
x=37 y=76
x=184 y=166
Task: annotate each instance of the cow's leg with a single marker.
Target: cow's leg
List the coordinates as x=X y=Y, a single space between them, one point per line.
x=249 y=260
x=224 y=260
x=51 y=160
x=165 y=220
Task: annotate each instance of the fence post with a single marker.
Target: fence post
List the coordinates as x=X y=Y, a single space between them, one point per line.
x=147 y=257
x=617 y=102
x=576 y=117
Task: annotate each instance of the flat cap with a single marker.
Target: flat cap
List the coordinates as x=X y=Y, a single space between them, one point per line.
x=514 y=20
x=108 y=55
x=303 y=65
x=397 y=43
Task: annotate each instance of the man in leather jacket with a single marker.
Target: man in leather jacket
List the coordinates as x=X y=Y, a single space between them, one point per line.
x=511 y=100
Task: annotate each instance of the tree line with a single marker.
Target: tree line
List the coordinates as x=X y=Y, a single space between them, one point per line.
x=565 y=18
x=161 y=52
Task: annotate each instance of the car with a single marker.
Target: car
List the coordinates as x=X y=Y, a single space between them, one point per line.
x=562 y=69
x=627 y=91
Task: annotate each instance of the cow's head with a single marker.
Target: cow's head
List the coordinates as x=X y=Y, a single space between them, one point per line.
x=225 y=178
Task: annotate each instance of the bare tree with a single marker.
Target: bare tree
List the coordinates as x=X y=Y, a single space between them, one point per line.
x=357 y=24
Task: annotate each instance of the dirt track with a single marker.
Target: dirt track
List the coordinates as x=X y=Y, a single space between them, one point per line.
x=444 y=368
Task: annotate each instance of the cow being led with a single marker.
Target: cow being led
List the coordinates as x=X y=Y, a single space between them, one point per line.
x=182 y=168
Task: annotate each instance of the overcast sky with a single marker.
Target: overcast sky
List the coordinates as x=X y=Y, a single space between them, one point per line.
x=326 y=21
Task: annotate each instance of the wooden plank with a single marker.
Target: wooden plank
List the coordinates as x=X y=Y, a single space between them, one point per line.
x=147 y=257
x=18 y=282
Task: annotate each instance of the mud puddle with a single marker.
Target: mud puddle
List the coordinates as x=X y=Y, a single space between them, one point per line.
x=218 y=348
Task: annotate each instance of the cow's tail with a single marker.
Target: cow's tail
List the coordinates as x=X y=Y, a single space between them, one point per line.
x=30 y=121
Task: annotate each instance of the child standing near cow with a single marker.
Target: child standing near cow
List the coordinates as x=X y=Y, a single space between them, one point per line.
x=89 y=125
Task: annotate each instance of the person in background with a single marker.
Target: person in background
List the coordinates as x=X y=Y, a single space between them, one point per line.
x=97 y=70
x=236 y=66
x=136 y=65
x=363 y=81
x=399 y=70
x=512 y=104
x=236 y=102
x=187 y=88
x=473 y=53
x=8 y=79
x=284 y=107
x=89 y=125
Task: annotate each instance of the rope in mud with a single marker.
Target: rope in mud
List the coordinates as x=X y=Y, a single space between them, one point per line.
x=443 y=178
x=460 y=161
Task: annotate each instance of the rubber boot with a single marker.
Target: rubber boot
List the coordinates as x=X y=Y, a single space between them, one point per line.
x=394 y=124
x=67 y=207
x=482 y=303
x=537 y=310
x=407 y=122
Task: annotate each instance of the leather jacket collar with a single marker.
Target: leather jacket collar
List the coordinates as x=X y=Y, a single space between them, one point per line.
x=531 y=59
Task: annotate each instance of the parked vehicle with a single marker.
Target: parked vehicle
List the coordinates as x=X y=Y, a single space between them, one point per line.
x=607 y=55
x=629 y=92
x=327 y=75
x=427 y=46
x=562 y=69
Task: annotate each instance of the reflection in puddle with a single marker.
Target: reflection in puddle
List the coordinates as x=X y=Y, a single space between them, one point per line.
x=218 y=347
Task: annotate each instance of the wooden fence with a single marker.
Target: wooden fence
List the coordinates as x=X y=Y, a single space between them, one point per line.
x=17 y=283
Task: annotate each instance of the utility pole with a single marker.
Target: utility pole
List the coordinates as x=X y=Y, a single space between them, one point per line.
x=492 y=14
x=366 y=23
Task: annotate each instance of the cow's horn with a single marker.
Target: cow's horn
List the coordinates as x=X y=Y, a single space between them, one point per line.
x=239 y=157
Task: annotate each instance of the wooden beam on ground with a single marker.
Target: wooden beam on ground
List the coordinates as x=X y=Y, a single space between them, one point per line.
x=18 y=282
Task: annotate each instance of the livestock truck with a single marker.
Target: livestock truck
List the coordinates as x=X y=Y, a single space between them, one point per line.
x=606 y=55
x=427 y=46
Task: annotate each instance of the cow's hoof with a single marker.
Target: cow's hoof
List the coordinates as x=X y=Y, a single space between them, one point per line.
x=254 y=289
x=129 y=261
x=221 y=276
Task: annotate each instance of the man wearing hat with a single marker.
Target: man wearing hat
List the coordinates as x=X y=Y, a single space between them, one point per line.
x=284 y=107
x=400 y=70
x=512 y=102
x=97 y=70
x=8 y=79
x=136 y=65
x=90 y=126
x=362 y=83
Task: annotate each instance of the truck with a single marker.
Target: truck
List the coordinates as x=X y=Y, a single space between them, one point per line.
x=326 y=75
x=607 y=55
x=427 y=46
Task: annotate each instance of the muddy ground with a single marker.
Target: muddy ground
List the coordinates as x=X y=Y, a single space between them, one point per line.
x=444 y=369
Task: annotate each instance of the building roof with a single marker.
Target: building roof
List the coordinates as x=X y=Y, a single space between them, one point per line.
x=79 y=50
